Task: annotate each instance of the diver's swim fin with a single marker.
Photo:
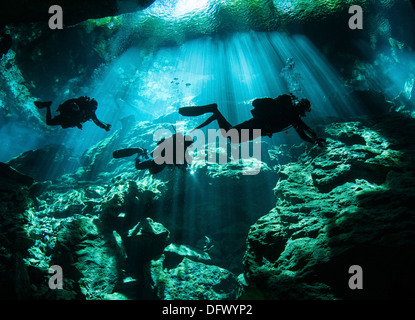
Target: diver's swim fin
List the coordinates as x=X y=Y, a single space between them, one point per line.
x=204 y=124
x=198 y=111
x=42 y=105
x=122 y=153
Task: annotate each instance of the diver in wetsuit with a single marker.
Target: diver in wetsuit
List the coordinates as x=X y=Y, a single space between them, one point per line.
x=270 y=115
x=73 y=113
x=156 y=162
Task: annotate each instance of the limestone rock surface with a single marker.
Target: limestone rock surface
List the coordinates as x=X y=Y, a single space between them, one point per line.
x=350 y=203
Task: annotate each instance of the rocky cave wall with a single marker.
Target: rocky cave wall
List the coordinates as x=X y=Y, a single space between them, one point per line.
x=348 y=204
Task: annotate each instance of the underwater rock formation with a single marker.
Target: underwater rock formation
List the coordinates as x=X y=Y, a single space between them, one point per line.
x=14 y=240
x=117 y=235
x=191 y=280
x=47 y=163
x=145 y=242
x=350 y=203
x=106 y=210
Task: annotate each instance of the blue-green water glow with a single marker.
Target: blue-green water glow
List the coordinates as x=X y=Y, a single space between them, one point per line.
x=231 y=71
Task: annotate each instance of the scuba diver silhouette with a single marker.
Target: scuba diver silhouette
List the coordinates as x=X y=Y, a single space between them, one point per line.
x=73 y=113
x=159 y=159
x=270 y=115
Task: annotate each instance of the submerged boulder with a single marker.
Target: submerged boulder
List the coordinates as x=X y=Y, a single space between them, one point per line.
x=88 y=255
x=47 y=163
x=145 y=242
x=11 y=178
x=183 y=273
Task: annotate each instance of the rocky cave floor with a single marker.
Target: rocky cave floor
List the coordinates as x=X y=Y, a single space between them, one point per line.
x=119 y=233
